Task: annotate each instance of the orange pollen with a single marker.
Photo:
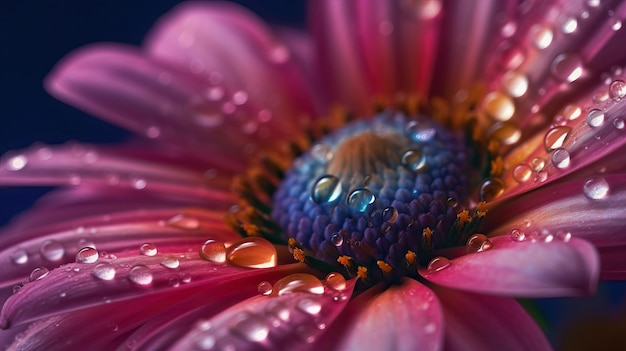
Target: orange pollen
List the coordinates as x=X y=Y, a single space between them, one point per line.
x=384 y=266
x=427 y=234
x=481 y=209
x=361 y=272
x=298 y=255
x=345 y=261
x=464 y=217
x=251 y=229
x=497 y=166
x=410 y=257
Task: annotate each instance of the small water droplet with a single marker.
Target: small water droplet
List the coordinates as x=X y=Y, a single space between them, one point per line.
x=140 y=274
x=299 y=282
x=278 y=310
x=561 y=158
x=571 y=112
x=309 y=306
x=508 y=29
x=567 y=67
x=148 y=249
x=87 y=255
x=38 y=273
x=104 y=271
x=264 y=288
x=596 y=188
x=19 y=256
x=517 y=235
x=250 y=327
x=420 y=131
x=174 y=282
x=414 y=160
x=153 y=132
x=615 y=24
x=52 y=250
x=252 y=252
x=206 y=342
x=555 y=137
x=570 y=25
x=522 y=173
x=170 y=262
x=138 y=183
x=214 y=251
x=490 y=189
x=438 y=263
x=617 y=89
x=537 y=164
x=17 y=163
x=498 y=106
x=478 y=243
x=182 y=221
x=507 y=132
x=360 y=199
x=390 y=214
x=618 y=123
x=541 y=36
x=322 y=152
x=326 y=189
x=515 y=84
x=595 y=118
x=335 y=281
x=336 y=239
x=564 y=236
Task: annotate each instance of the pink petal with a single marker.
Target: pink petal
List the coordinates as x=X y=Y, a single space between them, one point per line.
x=524 y=269
x=480 y=322
x=613 y=262
x=405 y=317
x=288 y=322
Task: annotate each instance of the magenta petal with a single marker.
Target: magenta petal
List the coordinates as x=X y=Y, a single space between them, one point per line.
x=406 y=317
x=480 y=322
x=288 y=322
x=613 y=262
x=524 y=269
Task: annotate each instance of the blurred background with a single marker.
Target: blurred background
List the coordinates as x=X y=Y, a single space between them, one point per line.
x=35 y=34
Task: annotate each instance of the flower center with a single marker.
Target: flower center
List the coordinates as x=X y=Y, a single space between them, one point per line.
x=378 y=195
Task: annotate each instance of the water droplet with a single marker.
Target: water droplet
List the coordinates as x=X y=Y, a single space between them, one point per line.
x=414 y=160
x=250 y=327
x=561 y=158
x=555 y=137
x=508 y=29
x=618 y=123
x=153 y=132
x=240 y=97
x=87 y=255
x=570 y=25
x=596 y=188
x=522 y=173
x=38 y=273
x=515 y=84
x=322 y=152
x=390 y=214
x=138 y=183
x=17 y=163
x=336 y=239
x=326 y=189
x=104 y=271
x=593 y=3
x=541 y=36
x=490 y=189
x=214 y=251
x=537 y=164
x=19 y=256
x=617 y=89
x=595 y=118
x=507 y=132
x=299 y=282
x=140 y=274
x=478 y=243
x=264 y=288
x=182 y=221
x=615 y=23
x=252 y=252
x=564 y=236
x=567 y=67
x=52 y=250
x=335 y=281
x=360 y=199
x=170 y=262
x=517 y=235
x=438 y=263
x=148 y=249
x=309 y=306
x=571 y=112
x=498 y=106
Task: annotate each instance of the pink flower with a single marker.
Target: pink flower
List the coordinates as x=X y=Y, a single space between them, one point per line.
x=480 y=160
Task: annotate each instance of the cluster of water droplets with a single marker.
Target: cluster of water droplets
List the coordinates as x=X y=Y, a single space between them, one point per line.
x=475 y=244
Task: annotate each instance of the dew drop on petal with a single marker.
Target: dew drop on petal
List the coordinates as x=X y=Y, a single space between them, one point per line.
x=517 y=235
x=148 y=249
x=564 y=236
x=52 y=250
x=507 y=132
x=298 y=282
x=596 y=188
x=537 y=164
x=17 y=163
x=522 y=173
x=555 y=137
x=571 y=112
x=490 y=189
x=615 y=23
x=265 y=288
x=438 y=263
x=87 y=255
x=182 y=221
x=414 y=160
x=360 y=199
x=140 y=274
x=570 y=25
x=561 y=158
x=170 y=262
x=595 y=117
x=19 y=256
x=498 y=106
x=618 y=123
x=335 y=281
x=213 y=251
x=104 y=271
x=322 y=152
x=250 y=327
x=567 y=67
x=38 y=273
x=252 y=252
x=541 y=36
x=478 y=243
x=309 y=306
x=617 y=89
x=515 y=84
x=326 y=189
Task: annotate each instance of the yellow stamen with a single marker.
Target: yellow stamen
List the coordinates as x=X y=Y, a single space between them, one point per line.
x=384 y=266
x=410 y=257
x=298 y=255
x=346 y=261
x=481 y=209
x=427 y=235
x=464 y=217
x=497 y=166
x=292 y=242
x=361 y=272
x=251 y=229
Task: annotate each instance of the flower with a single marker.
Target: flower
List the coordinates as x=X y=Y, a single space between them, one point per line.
x=479 y=161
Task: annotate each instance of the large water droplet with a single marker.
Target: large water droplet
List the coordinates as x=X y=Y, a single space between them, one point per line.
x=326 y=189
x=414 y=160
x=478 y=243
x=252 y=252
x=438 y=263
x=617 y=90
x=515 y=84
x=148 y=249
x=567 y=67
x=335 y=281
x=498 y=106
x=250 y=327
x=555 y=137
x=596 y=188
x=214 y=251
x=17 y=163
x=104 y=271
x=490 y=189
x=87 y=255
x=140 y=274
x=522 y=173
x=52 y=250
x=595 y=118
x=360 y=199
x=561 y=158
x=38 y=273
x=299 y=282
x=541 y=36
x=183 y=222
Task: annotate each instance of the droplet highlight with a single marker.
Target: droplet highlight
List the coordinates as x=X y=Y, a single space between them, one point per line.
x=414 y=160
x=252 y=252
x=596 y=188
x=141 y=275
x=148 y=249
x=478 y=243
x=360 y=199
x=326 y=189
x=437 y=264
x=299 y=282
x=87 y=255
x=213 y=251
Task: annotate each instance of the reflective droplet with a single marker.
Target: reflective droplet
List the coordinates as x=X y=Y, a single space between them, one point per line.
x=537 y=164
x=360 y=199
x=478 y=243
x=390 y=214
x=148 y=249
x=490 y=189
x=104 y=271
x=299 y=282
x=438 y=263
x=508 y=29
x=498 y=106
x=38 y=273
x=414 y=160
x=567 y=67
x=336 y=239
x=615 y=24
x=555 y=137
x=252 y=252
x=508 y=133
x=326 y=189
x=250 y=327
x=183 y=222
x=309 y=306
x=264 y=288
x=564 y=236
x=19 y=256
x=541 y=36
x=322 y=152
x=595 y=118
x=596 y=188
x=561 y=158
x=570 y=25
x=571 y=112
x=618 y=123
x=170 y=262
x=138 y=183
x=617 y=90
x=17 y=163
x=335 y=281
x=140 y=274
x=515 y=84
x=87 y=255
x=214 y=251
x=522 y=173
x=52 y=250
x=517 y=235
